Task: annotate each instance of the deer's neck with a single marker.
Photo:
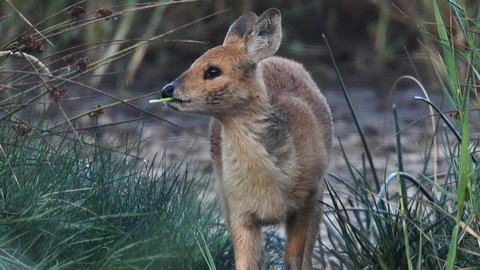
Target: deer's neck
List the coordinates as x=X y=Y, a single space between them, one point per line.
x=257 y=144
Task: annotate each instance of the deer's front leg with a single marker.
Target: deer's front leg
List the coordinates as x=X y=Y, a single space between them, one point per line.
x=248 y=246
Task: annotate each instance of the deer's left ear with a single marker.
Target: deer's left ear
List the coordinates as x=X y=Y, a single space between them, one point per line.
x=264 y=38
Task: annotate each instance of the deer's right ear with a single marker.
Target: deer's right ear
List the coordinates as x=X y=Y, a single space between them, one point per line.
x=239 y=30
x=259 y=37
x=265 y=37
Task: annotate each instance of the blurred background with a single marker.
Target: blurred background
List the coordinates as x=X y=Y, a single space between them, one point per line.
x=368 y=37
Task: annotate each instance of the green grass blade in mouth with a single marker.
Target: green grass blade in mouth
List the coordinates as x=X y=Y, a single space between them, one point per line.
x=161 y=100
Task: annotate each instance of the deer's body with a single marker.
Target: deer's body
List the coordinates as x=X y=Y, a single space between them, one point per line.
x=271 y=137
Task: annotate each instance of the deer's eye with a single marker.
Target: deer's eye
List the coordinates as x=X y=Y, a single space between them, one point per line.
x=211 y=73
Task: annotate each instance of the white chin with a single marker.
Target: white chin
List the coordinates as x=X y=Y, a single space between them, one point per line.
x=173 y=106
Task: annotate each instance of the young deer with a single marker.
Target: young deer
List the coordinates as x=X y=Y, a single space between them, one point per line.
x=271 y=137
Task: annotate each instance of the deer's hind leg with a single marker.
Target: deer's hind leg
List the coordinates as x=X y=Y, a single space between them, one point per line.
x=313 y=230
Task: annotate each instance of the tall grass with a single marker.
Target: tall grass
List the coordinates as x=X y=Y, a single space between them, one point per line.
x=422 y=224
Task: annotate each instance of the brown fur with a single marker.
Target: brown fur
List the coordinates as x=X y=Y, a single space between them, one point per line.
x=271 y=138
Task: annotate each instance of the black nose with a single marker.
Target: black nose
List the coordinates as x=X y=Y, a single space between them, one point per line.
x=167 y=91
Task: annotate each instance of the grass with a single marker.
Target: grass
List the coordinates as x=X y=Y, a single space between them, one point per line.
x=429 y=221
x=81 y=197
x=64 y=209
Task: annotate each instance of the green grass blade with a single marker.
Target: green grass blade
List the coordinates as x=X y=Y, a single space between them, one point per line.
x=448 y=51
x=401 y=190
x=450 y=265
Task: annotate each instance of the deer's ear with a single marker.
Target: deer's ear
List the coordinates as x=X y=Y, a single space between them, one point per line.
x=265 y=37
x=259 y=37
x=240 y=29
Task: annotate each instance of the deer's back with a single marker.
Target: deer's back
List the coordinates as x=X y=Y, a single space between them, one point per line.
x=301 y=105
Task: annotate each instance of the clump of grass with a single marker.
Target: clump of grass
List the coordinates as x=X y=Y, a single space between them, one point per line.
x=65 y=208
x=436 y=225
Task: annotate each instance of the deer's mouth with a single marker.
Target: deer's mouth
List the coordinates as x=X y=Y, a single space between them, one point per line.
x=178 y=104
x=178 y=100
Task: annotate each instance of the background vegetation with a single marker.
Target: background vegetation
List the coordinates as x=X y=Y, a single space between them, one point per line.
x=74 y=195
x=366 y=35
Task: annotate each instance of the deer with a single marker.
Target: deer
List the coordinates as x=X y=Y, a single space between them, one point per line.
x=270 y=135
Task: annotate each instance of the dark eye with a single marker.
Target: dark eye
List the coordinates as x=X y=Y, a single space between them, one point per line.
x=211 y=73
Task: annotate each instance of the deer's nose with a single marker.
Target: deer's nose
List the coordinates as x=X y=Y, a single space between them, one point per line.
x=167 y=90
